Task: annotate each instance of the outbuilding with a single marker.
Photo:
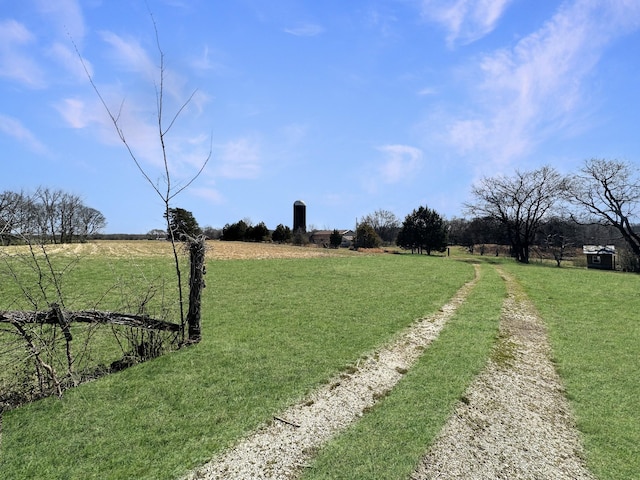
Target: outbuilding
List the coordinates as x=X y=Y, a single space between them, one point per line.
x=323 y=237
x=602 y=257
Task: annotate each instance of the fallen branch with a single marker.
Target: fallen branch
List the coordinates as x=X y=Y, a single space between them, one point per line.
x=88 y=316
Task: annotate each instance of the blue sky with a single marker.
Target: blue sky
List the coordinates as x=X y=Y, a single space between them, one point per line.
x=350 y=106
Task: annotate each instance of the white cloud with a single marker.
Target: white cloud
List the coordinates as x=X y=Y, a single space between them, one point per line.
x=186 y=148
x=208 y=193
x=538 y=88
x=208 y=60
x=14 y=32
x=465 y=20
x=239 y=159
x=65 y=15
x=305 y=30
x=68 y=58
x=15 y=129
x=130 y=54
x=401 y=162
x=73 y=112
x=427 y=91
x=138 y=126
x=15 y=59
x=20 y=49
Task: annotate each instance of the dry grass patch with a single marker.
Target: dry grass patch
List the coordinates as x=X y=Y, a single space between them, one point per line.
x=216 y=250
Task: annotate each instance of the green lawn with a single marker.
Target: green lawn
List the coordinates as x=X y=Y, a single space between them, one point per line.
x=272 y=330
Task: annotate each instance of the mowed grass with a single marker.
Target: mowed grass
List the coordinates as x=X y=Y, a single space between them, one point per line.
x=388 y=442
x=594 y=326
x=272 y=330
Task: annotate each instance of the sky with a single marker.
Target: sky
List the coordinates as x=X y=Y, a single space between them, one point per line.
x=351 y=107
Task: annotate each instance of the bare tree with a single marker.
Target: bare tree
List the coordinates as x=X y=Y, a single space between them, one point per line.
x=520 y=203
x=89 y=221
x=166 y=190
x=48 y=218
x=12 y=211
x=608 y=194
x=385 y=223
x=556 y=237
x=68 y=214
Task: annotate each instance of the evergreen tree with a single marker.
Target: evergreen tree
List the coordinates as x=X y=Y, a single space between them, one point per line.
x=281 y=234
x=335 y=239
x=366 y=237
x=182 y=224
x=423 y=229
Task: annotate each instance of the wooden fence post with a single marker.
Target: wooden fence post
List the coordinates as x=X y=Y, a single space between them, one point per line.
x=197 y=250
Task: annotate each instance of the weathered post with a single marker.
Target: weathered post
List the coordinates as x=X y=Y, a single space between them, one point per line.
x=197 y=250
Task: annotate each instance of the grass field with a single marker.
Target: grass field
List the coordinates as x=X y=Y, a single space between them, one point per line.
x=275 y=328
x=272 y=330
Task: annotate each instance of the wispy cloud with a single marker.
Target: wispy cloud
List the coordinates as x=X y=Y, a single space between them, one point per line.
x=210 y=194
x=401 y=162
x=305 y=30
x=134 y=105
x=208 y=60
x=21 y=51
x=383 y=21
x=15 y=129
x=65 y=16
x=427 y=91
x=239 y=159
x=465 y=20
x=129 y=54
x=72 y=111
x=68 y=59
x=66 y=21
x=16 y=61
x=538 y=88
x=139 y=128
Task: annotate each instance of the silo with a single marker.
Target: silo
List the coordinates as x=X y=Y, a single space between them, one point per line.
x=299 y=216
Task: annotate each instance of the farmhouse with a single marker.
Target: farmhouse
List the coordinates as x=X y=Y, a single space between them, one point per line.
x=322 y=237
x=602 y=257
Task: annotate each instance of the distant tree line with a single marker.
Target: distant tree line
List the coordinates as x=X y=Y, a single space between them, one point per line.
x=47 y=216
x=541 y=208
x=245 y=231
x=537 y=210
x=422 y=231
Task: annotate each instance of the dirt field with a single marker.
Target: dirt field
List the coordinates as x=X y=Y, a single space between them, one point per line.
x=216 y=250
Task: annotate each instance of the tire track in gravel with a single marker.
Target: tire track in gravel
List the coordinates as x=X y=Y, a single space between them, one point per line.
x=281 y=449
x=514 y=421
